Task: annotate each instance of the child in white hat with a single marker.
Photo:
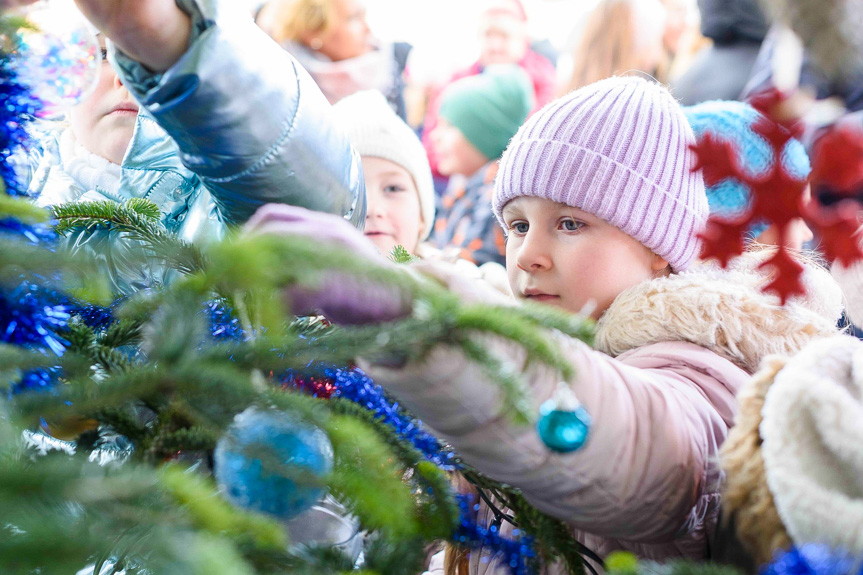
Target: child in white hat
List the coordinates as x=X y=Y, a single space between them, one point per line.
x=399 y=189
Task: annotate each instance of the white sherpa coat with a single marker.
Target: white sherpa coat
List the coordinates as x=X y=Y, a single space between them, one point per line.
x=662 y=397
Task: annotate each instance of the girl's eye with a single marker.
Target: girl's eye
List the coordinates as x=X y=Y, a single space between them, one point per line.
x=519 y=227
x=571 y=225
x=393 y=189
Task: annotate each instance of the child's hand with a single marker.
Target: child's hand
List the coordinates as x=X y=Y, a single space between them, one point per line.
x=153 y=32
x=282 y=219
x=342 y=299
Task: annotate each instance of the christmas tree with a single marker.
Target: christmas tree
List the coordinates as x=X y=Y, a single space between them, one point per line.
x=196 y=427
x=199 y=427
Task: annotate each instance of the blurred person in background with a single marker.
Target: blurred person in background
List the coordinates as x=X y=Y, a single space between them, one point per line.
x=720 y=71
x=399 y=190
x=332 y=41
x=503 y=39
x=848 y=87
x=620 y=37
x=682 y=39
x=478 y=117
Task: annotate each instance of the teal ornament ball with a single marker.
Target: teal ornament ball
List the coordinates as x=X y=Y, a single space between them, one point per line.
x=270 y=461
x=564 y=423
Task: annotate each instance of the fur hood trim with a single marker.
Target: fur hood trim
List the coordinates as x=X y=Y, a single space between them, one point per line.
x=723 y=310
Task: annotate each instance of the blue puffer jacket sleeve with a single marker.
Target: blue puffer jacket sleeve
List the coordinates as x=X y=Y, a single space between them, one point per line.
x=248 y=120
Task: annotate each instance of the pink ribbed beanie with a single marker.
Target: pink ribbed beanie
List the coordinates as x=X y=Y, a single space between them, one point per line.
x=618 y=149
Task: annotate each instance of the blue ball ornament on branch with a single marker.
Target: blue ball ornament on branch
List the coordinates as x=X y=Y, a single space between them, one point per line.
x=269 y=461
x=564 y=423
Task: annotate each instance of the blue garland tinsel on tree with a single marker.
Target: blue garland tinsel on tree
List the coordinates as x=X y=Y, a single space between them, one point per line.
x=516 y=553
x=31 y=315
x=17 y=107
x=814 y=559
x=224 y=327
x=354 y=385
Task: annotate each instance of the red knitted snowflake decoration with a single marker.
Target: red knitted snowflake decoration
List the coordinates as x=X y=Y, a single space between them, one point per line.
x=777 y=197
x=837 y=162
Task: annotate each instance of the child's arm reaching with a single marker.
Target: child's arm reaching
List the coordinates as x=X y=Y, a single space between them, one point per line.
x=247 y=119
x=646 y=472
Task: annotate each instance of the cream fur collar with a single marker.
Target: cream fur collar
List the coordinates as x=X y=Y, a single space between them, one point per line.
x=723 y=311
x=90 y=171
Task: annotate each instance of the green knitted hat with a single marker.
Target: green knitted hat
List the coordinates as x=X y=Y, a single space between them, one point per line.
x=489 y=108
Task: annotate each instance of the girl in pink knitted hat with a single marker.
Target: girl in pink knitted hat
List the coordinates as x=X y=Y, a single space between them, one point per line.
x=602 y=212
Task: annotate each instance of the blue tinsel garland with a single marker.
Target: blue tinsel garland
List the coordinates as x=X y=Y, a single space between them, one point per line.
x=514 y=553
x=17 y=108
x=31 y=315
x=354 y=385
x=813 y=559
x=223 y=325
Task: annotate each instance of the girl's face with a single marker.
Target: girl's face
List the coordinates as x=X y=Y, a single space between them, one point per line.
x=562 y=256
x=349 y=36
x=393 y=216
x=105 y=121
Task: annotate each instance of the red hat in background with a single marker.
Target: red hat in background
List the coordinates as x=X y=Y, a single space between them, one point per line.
x=512 y=8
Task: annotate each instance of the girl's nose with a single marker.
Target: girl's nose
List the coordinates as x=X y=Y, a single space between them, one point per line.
x=375 y=206
x=533 y=254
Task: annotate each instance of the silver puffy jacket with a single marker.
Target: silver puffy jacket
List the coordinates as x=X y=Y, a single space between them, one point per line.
x=247 y=126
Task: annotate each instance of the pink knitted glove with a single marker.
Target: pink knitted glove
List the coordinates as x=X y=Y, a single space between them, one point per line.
x=341 y=298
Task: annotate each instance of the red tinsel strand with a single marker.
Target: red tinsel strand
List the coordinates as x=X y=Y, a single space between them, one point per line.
x=316 y=386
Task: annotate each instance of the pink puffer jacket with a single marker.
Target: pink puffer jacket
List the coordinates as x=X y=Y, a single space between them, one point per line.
x=647 y=479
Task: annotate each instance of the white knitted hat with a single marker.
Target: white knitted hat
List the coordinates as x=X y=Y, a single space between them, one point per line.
x=375 y=130
x=812 y=432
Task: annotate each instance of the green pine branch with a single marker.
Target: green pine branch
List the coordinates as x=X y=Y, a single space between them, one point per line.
x=156 y=377
x=139 y=220
x=20 y=208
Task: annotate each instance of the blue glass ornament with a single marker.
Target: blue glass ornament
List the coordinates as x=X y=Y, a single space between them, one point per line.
x=564 y=424
x=268 y=461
